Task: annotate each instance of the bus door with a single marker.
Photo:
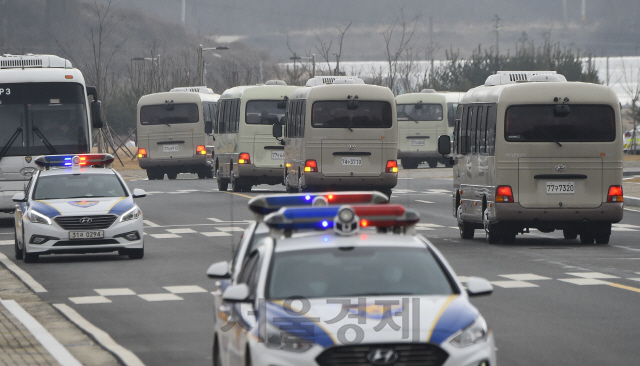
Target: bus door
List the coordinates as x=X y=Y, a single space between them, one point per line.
x=169 y=129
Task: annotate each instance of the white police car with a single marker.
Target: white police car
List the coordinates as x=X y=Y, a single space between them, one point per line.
x=349 y=296
x=77 y=204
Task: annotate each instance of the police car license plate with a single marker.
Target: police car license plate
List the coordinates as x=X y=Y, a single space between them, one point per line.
x=357 y=161
x=277 y=155
x=561 y=187
x=86 y=234
x=417 y=142
x=170 y=148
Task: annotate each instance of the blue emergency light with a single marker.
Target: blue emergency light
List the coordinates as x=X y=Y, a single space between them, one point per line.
x=80 y=160
x=265 y=204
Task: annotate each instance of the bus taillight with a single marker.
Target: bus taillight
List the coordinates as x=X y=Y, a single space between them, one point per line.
x=310 y=166
x=392 y=166
x=615 y=194
x=244 y=158
x=201 y=150
x=504 y=194
x=142 y=153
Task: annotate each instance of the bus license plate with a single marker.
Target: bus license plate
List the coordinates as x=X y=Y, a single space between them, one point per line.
x=357 y=161
x=277 y=155
x=171 y=148
x=86 y=234
x=561 y=187
x=417 y=142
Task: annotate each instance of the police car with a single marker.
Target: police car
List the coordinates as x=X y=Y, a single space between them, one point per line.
x=349 y=285
x=77 y=204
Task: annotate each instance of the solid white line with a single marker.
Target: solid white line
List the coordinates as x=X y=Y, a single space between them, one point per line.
x=423 y=201
x=24 y=276
x=45 y=338
x=127 y=357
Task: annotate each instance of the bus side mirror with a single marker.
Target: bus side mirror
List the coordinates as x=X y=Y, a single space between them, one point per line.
x=444 y=145
x=208 y=127
x=277 y=130
x=96 y=114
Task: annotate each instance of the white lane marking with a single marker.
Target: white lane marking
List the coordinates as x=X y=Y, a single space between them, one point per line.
x=45 y=338
x=230 y=228
x=423 y=201
x=404 y=178
x=182 y=231
x=437 y=191
x=24 y=276
x=7 y=242
x=82 y=300
x=430 y=225
x=634 y=279
x=124 y=355
x=229 y=222
x=150 y=223
x=423 y=228
x=627 y=248
x=160 y=297
x=114 y=291
x=165 y=236
x=215 y=219
x=592 y=275
x=216 y=233
x=513 y=284
x=583 y=281
x=184 y=289
x=524 y=277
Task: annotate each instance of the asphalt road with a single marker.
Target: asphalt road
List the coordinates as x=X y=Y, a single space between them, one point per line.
x=555 y=301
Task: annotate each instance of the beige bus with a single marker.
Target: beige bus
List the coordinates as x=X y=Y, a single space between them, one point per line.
x=246 y=152
x=340 y=134
x=532 y=150
x=422 y=117
x=174 y=132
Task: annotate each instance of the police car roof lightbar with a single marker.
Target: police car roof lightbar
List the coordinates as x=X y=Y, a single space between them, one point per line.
x=265 y=204
x=65 y=161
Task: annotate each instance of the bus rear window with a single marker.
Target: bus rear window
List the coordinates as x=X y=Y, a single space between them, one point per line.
x=419 y=112
x=263 y=112
x=345 y=114
x=169 y=113
x=542 y=123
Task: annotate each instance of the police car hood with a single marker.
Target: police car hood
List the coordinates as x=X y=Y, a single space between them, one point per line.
x=373 y=319
x=84 y=206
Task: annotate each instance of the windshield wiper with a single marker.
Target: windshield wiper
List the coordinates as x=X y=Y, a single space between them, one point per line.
x=545 y=133
x=411 y=118
x=336 y=118
x=44 y=140
x=10 y=142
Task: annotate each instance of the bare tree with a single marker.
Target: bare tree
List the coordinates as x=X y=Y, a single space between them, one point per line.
x=324 y=48
x=395 y=45
x=633 y=91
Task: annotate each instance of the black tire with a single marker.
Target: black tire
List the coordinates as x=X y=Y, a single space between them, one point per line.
x=159 y=175
x=136 y=253
x=300 y=190
x=172 y=175
x=215 y=354
x=123 y=252
x=208 y=174
x=433 y=163
x=29 y=257
x=236 y=185
x=466 y=228
x=570 y=234
x=409 y=163
x=16 y=246
x=387 y=192
x=587 y=238
x=151 y=174
x=246 y=187
x=202 y=175
x=223 y=185
x=509 y=237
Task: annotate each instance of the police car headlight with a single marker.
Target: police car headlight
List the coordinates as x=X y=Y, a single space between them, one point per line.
x=132 y=214
x=38 y=218
x=285 y=341
x=475 y=333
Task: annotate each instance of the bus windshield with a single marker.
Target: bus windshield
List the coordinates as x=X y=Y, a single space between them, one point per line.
x=166 y=114
x=55 y=111
x=264 y=112
x=419 y=112
x=340 y=114
x=542 y=123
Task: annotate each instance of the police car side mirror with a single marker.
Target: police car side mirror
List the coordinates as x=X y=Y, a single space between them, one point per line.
x=19 y=197
x=277 y=130
x=219 y=270
x=138 y=193
x=96 y=114
x=444 y=145
x=236 y=293
x=208 y=127
x=477 y=286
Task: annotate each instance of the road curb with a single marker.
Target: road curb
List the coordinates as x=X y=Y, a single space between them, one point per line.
x=630 y=173
x=631 y=201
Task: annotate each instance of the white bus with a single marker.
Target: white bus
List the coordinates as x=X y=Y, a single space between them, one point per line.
x=422 y=117
x=532 y=150
x=44 y=110
x=174 y=132
x=340 y=134
x=246 y=152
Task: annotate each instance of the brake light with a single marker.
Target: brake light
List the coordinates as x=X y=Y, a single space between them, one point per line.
x=310 y=166
x=201 y=150
x=504 y=194
x=615 y=194
x=83 y=161
x=142 y=152
x=244 y=159
x=392 y=166
x=364 y=223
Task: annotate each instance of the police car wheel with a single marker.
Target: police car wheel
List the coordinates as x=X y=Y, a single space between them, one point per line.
x=136 y=253
x=28 y=257
x=16 y=246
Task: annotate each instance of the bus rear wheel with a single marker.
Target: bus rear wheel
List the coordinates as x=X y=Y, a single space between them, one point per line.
x=223 y=184
x=466 y=228
x=570 y=234
x=408 y=163
x=433 y=163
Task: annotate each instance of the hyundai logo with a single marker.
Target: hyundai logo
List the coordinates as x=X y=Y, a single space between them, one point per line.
x=382 y=356
x=561 y=168
x=351 y=147
x=86 y=220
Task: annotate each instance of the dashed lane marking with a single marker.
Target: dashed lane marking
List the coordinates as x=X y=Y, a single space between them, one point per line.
x=230 y=228
x=625 y=227
x=525 y=277
x=184 y=289
x=165 y=236
x=160 y=297
x=7 y=242
x=513 y=284
x=216 y=233
x=182 y=231
x=584 y=281
x=114 y=291
x=82 y=300
x=150 y=224
x=592 y=275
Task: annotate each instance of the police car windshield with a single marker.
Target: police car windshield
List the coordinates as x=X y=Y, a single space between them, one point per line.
x=78 y=186
x=359 y=271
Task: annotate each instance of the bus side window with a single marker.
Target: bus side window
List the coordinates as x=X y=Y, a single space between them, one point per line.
x=463 y=130
x=473 y=129
x=478 y=135
x=235 y=116
x=469 y=129
x=287 y=117
x=456 y=130
x=303 y=109
x=491 y=129
x=482 y=128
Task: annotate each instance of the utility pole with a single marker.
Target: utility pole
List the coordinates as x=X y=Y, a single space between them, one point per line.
x=184 y=8
x=431 y=49
x=201 y=64
x=584 y=10
x=497 y=30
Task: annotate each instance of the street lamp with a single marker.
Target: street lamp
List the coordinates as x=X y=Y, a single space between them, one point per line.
x=312 y=59
x=201 y=52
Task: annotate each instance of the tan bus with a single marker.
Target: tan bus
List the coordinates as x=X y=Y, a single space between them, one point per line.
x=174 y=132
x=532 y=150
x=340 y=134
x=246 y=152
x=422 y=117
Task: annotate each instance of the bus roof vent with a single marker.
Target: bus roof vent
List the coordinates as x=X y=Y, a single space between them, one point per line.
x=33 y=61
x=548 y=78
x=512 y=77
x=275 y=82
x=193 y=89
x=326 y=80
x=427 y=91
